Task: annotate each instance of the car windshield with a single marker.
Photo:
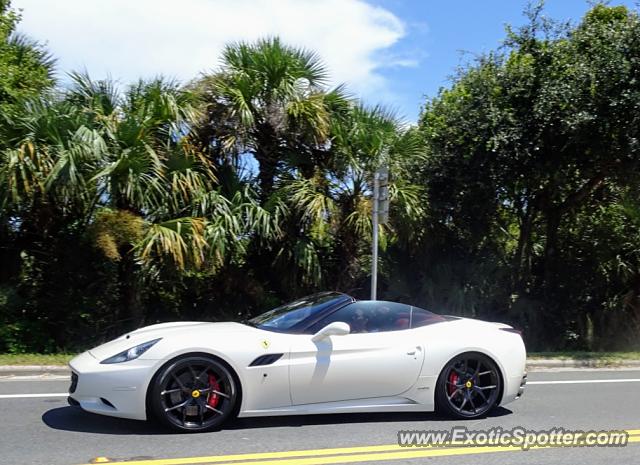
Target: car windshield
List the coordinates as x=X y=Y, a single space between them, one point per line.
x=287 y=316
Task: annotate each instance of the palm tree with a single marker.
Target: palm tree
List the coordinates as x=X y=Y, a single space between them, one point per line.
x=47 y=165
x=274 y=99
x=149 y=177
x=365 y=139
x=326 y=218
x=122 y=165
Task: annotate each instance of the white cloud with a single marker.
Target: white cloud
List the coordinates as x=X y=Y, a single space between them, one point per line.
x=128 y=39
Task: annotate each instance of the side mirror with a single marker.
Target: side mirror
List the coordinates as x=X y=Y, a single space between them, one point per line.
x=337 y=328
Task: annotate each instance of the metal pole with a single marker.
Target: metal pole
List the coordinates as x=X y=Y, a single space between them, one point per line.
x=374 y=242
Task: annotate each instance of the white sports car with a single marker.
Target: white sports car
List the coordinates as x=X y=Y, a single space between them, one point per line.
x=326 y=353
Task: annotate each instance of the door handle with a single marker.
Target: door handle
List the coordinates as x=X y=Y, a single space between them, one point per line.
x=412 y=351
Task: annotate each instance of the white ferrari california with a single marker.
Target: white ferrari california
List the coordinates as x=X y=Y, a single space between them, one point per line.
x=326 y=353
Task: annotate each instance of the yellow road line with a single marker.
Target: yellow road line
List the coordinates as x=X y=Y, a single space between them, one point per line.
x=267 y=455
x=405 y=455
x=343 y=454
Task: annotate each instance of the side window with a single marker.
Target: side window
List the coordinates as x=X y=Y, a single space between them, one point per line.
x=369 y=317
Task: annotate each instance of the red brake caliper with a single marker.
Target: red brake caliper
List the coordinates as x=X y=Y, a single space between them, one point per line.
x=453 y=380
x=213 y=397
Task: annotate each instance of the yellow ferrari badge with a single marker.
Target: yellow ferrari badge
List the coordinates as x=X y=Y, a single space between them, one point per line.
x=265 y=344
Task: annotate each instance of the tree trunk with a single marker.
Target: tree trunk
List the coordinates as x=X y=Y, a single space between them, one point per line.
x=266 y=154
x=266 y=176
x=523 y=248
x=551 y=246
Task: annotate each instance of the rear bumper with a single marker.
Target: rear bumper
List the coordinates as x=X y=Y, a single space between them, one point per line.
x=117 y=390
x=523 y=383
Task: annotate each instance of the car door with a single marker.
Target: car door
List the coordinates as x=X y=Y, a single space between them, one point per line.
x=381 y=357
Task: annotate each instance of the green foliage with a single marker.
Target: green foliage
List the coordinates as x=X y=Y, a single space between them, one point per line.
x=515 y=198
x=528 y=147
x=26 y=67
x=113 y=230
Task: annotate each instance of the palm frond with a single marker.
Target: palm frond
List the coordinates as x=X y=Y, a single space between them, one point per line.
x=23 y=172
x=28 y=51
x=99 y=96
x=181 y=239
x=312 y=202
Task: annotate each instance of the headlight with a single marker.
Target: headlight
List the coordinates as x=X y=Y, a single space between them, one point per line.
x=131 y=354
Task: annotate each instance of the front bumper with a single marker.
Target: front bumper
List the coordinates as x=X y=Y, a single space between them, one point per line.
x=117 y=390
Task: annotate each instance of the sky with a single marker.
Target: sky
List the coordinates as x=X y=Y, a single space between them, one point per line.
x=390 y=52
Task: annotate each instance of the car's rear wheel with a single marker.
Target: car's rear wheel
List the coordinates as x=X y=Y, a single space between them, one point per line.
x=193 y=394
x=469 y=386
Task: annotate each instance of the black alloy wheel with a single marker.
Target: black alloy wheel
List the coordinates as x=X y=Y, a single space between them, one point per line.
x=194 y=394
x=469 y=386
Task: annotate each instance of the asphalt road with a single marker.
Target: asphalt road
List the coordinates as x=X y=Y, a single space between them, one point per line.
x=44 y=430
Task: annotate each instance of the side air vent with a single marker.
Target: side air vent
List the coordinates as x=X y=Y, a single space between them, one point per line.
x=107 y=403
x=265 y=360
x=74 y=382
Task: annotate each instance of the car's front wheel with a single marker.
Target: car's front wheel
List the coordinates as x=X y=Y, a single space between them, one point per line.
x=469 y=386
x=193 y=394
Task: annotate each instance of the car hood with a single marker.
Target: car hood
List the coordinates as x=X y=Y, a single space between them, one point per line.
x=163 y=330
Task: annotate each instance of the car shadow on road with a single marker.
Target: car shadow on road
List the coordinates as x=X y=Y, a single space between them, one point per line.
x=77 y=420
x=336 y=418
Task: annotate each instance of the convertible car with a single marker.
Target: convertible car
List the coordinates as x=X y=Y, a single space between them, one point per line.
x=326 y=353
